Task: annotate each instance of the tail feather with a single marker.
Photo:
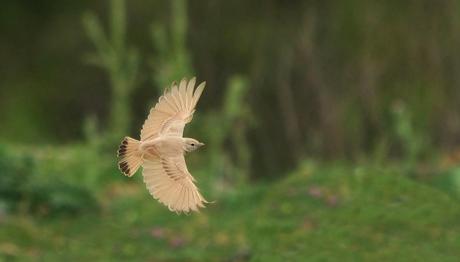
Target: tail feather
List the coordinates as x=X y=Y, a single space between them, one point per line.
x=130 y=157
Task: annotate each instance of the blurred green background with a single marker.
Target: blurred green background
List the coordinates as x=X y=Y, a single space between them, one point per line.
x=332 y=129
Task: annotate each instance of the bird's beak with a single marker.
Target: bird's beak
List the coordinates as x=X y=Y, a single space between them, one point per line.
x=201 y=144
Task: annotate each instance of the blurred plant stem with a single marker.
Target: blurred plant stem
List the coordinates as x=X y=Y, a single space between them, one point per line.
x=118 y=61
x=414 y=143
x=172 y=60
x=238 y=117
x=227 y=131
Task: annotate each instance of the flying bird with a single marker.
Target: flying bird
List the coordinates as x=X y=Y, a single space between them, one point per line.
x=162 y=148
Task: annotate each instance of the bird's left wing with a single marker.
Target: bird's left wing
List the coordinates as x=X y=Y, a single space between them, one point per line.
x=169 y=181
x=173 y=111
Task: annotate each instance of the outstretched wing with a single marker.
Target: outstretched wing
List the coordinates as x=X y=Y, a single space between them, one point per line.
x=173 y=110
x=169 y=181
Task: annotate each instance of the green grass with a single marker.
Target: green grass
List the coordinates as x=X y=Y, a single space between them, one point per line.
x=316 y=214
x=377 y=215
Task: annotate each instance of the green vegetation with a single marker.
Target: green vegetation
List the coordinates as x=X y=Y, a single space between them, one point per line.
x=331 y=130
x=318 y=212
x=120 y=63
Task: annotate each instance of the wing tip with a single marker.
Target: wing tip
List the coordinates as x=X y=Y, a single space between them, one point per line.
x=200 y=87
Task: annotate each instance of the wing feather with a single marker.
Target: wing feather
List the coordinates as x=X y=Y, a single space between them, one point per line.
x=197 y=94
x=176 y=97
x=169 y=181
x=189 y=95
x=173 y=110
x=182 y=92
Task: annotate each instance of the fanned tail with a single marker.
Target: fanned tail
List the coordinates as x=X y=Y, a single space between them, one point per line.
x=129 y=156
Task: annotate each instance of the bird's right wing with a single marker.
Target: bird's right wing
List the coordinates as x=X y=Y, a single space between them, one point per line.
x=173 y=110
x=169 y=181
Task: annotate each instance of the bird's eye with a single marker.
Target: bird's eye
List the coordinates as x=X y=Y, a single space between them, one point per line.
x=193 y=144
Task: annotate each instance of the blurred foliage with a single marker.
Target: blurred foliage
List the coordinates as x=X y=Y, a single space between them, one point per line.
x=323 y=77
x=320 y=212
x=366 y=91
x=15 y=171
x=37 y=184
x=414 y=144
x=119 y=62
x=226 y=129
x=171 y=61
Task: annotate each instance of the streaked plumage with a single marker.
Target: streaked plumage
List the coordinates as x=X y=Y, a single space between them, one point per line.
x=162 y=147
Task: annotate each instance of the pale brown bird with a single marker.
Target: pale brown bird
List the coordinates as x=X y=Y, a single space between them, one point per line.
x=162 y=147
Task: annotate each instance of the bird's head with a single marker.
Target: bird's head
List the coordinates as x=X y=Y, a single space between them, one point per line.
x=191 y=144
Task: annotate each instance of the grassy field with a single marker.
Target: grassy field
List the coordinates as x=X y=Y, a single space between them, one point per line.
x=319 y=213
